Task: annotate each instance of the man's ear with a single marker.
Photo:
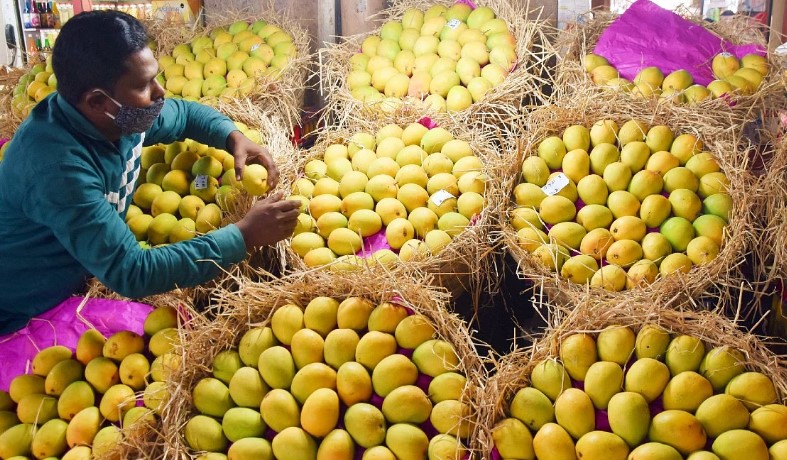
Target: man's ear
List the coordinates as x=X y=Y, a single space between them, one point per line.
x=95 y=101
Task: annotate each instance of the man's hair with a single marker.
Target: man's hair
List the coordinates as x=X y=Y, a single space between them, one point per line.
x=91 y=51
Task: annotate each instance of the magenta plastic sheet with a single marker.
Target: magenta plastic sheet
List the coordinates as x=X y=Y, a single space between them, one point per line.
x=63 y=325
x=648 y=35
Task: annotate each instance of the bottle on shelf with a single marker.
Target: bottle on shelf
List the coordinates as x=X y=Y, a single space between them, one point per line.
x=50 y=21
x=55 y=16
x=35 y=18
x=26 y=15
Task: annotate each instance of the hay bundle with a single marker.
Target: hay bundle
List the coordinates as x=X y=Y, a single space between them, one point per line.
x=465 y=263
x=575 y=43
x=280 y=98
x=723 y=143
x=524 y=87
x=712 y=327
x=11 y=117
x=254 y=305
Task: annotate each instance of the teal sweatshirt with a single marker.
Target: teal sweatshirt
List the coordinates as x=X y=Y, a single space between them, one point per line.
x=64 y=193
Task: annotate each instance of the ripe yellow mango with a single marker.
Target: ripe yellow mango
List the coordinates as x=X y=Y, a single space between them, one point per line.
x=45 y=360
x=629 y=417
x=310 y=378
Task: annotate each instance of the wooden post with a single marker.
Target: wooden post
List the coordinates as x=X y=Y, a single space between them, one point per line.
x=355 y=14
x=778 y=25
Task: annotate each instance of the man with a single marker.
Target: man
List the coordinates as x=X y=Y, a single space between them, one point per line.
x=68 y=177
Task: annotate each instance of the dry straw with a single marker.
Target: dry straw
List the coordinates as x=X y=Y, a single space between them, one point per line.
x=574 y=43
x=253 y=306
x=9 y=118
x=525 y=86
x=711 y=326
x=466 y=263
x=280 y=98
x=723 y=273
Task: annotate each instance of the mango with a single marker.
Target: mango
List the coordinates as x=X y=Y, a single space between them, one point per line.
x=286 y=321
x=550 y=377
x=435 y=357
x=78 y=453
x=253 y=343
x=311 y=378
x=163 y=341
x=413 y=331
x=452 y=417
x=25 y=384
x=156 y=395
x=280 y=410
x=555 y=209
x=407 y=441
x=445 y=447
x=89 y=346
x=106 y=441
x=340 y=346
x=225 y=364
x=211 y=397
x=45 y=360
x=163 y=366
x=392 y=372
x=378 y=453
x=578 y=353
x=83 y=427
x=50 y=439
x=277 y=366
x=247 y=388
x=320 y=412
x=205 y=433
x=778 y=451
x=242 y=422
x=373 y=347
x=406 y=404
x=353 y=313
x=353 y=383
x=654 y=451
x=686 y=391
x=603 y=380
x=652 y=342
x=532 y=407
x=552 y=150
x=574 y=411
x=770 y=422
x=117 y=400
x=629 y=417
x=17 y=441
x=579 y=269
x=598 y=445
x=450 y=385
x=616 y=344
x=123 y=343
x=337 y=445
x=738 y=444
x=685 y=353
x=133 y=370
x=721 y=413
x=250 y=449
x=553 y=441
x=366 y=424
x=647 y=377
x=513 y=440
x=7 y=420
x=138 y=417
x=320 y=315
x=36 y=408
x=76 y=397
x=160 y=318
x=307 y=347
x=754 y=389
x=721 y=364
x=678 y=429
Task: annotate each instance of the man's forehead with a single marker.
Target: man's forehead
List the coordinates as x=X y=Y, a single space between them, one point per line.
x=142 y=63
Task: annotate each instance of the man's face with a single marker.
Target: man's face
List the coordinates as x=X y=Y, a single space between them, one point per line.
x=138 y=86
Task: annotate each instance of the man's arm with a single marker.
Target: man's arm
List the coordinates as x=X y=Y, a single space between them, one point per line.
x=181 y=119
x=92 y=231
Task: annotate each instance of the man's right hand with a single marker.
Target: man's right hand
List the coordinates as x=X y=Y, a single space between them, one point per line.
x=269 y=221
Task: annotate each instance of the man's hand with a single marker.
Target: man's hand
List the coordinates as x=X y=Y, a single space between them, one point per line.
x=247 y=152
x=269 y=221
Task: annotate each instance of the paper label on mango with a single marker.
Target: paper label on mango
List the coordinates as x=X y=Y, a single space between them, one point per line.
x=201 y=182
x=453 y=23
x=254 y=47
x=555 y=185
x=439 y=197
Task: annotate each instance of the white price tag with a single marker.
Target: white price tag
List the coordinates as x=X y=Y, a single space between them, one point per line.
x=555 y=185
x=453 y=23
x=439 y=197
x=254 y=47
x=201 y=182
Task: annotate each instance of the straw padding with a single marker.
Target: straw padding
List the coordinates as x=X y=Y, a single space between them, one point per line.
x=279 y=98
x=523 y=88
x=724 y=142
x=573 y=44
x=466 y=263
x=253 y=306
x=10 y=119
x=771 y=247
x=711 y=326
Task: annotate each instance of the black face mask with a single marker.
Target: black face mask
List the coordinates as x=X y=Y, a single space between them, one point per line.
x=134 y=120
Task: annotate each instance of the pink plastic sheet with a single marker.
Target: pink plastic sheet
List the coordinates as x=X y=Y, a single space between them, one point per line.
x=63 y=325
x=648 y=35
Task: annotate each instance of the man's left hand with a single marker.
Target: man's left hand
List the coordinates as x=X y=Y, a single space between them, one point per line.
x=247 y=152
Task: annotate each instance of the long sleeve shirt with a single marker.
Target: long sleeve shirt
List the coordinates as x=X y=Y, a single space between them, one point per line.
x=64 y=192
